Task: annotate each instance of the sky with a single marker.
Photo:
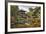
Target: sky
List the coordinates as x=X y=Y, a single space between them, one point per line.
x=25 y=8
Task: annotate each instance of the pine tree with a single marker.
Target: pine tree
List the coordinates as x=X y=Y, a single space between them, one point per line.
x=36 y=13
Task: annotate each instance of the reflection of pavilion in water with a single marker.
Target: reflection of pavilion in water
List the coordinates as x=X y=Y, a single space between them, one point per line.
x=24 y=17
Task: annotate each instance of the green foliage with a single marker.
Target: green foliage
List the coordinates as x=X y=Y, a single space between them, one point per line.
x=30 y=9
x=36 y=12
x=19 y=19
x=14 y=10
x=29 y=13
